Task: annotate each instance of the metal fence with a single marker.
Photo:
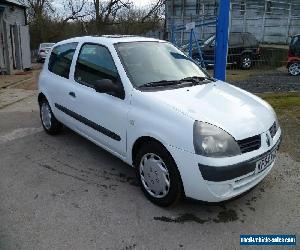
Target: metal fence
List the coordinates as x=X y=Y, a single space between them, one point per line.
x=271 y=21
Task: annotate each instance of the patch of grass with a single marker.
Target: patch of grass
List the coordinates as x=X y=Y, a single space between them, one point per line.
x=283 y=101
x=287 y=107
x=233 y=75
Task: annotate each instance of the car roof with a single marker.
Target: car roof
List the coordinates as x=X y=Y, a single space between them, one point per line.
x=110 y=39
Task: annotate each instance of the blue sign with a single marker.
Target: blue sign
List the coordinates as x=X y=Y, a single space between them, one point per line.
x=267 y=239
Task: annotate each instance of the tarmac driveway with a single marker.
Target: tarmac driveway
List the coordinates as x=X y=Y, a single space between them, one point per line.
x=64 y=192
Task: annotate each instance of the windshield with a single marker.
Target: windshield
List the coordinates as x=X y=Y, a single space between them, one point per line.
x=295 y=41
x=147 y=62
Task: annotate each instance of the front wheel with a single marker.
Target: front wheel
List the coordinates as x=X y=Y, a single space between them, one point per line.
x=246 y=62
x=158 y=174
x=50 y=124
x=294 y=68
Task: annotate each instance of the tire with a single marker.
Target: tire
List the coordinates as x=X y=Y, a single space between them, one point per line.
x=163 y=174
x=294 y=68
x=246 y=62
x=50 y=124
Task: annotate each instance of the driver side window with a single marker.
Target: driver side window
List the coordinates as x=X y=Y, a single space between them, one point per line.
x=94 y=63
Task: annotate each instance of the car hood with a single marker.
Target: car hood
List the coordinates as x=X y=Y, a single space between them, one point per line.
x=236 y=111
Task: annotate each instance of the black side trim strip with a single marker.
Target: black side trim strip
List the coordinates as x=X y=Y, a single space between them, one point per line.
x=218 y=174
x=89 y=123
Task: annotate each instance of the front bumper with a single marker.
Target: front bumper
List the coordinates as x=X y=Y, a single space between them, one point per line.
x=219 y=174
x=214 y=180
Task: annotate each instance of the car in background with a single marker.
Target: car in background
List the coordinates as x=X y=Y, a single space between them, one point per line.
x=185 y=47
x=44 y=48
x=293 y=64
x=243 y=50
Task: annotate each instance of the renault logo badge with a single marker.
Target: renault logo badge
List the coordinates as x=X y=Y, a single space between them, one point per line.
x=268 y=140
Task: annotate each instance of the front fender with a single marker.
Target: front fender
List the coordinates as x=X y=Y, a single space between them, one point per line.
x=155 y=119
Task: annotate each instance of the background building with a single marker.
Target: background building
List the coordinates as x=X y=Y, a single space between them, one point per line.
x=271 y=21
x=14 y=37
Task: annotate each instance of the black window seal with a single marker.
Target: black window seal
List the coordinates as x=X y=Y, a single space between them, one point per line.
x=89 y=85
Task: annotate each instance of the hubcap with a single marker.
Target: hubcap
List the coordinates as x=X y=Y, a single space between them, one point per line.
x=246 y=62
x=294 y=69
x=46 y=115
x=154 y=175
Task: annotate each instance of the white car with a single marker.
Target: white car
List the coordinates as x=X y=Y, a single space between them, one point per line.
x=43 y=50
x=150 y=105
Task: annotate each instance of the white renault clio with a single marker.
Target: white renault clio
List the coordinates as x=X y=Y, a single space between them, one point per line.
x=147 y=103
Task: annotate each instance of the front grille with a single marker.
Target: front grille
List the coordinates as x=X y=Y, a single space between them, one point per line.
x=273 y=129
x=250 y=144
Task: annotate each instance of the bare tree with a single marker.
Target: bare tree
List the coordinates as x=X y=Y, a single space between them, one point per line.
x=37 y=9
x=155 y=9
x=105 y=12
x=53 y=20
x=74 y=10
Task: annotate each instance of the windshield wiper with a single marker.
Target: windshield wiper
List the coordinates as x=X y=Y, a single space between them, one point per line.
x=188 y=80
x=198 y=79
x=161 y=83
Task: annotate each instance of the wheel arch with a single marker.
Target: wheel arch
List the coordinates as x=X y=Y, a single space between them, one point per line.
x=41 y=97
x=139 y=142
x=293 y=61
x=145 y=139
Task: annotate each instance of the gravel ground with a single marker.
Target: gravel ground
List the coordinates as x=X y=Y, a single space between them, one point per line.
x=64 y=192
x=271 y=82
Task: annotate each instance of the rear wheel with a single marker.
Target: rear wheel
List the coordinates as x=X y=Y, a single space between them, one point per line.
x=50 y=124
x=158 y=174
x=294 y=68
x=246 y=61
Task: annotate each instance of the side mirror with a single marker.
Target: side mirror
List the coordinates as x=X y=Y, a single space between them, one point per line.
x=109 y=87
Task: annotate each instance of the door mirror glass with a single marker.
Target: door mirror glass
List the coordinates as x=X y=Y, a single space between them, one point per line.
x=109 y=87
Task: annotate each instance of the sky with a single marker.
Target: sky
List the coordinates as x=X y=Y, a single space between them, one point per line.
x=57 y=4
x=140 y=3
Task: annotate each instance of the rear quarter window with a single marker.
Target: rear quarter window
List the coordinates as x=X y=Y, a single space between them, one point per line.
x=61 y=59
x=295 y=41
x=295 y=46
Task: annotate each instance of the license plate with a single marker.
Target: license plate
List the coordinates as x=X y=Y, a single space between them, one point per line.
x=265 y=162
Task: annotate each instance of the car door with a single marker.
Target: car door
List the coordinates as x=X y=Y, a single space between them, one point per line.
x=101 y=117
x=57 y=80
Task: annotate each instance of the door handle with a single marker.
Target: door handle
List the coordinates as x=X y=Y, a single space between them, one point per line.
x=72 y=94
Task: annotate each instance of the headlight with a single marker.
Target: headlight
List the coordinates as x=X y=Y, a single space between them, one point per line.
x=212 y=141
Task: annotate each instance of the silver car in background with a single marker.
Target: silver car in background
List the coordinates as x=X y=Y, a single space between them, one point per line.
x=44 y=48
